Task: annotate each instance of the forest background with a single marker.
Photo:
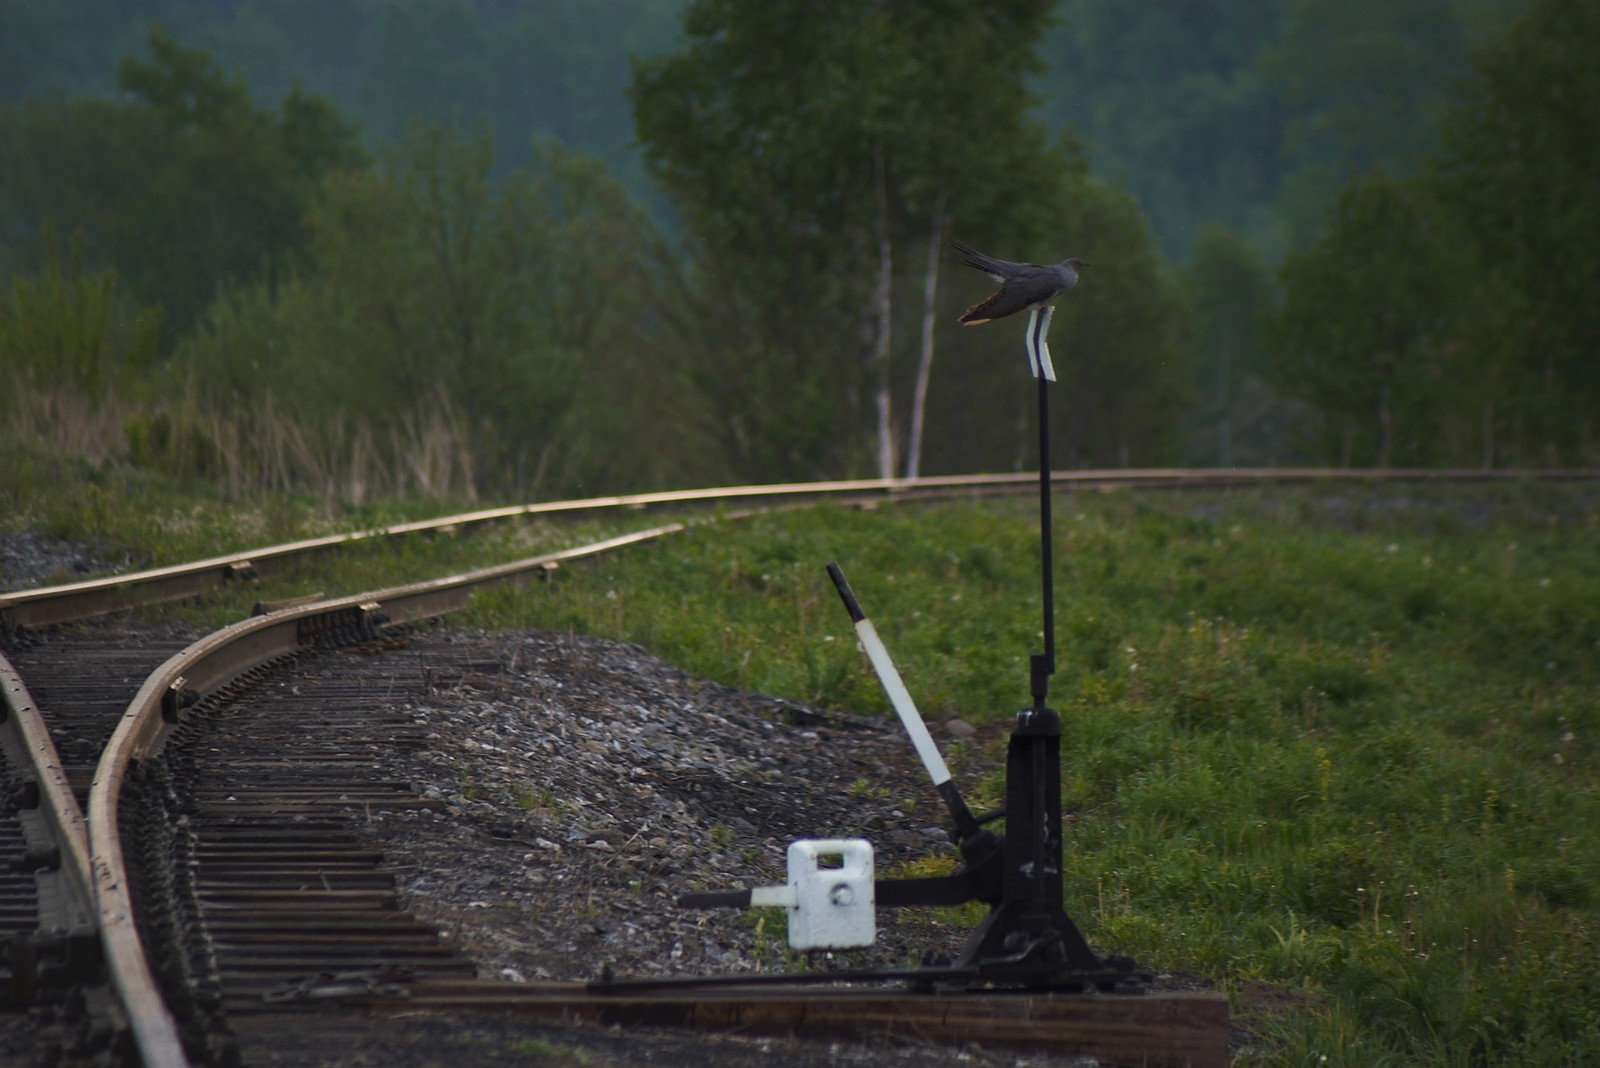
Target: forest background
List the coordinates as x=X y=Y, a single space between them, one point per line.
x=464 y=248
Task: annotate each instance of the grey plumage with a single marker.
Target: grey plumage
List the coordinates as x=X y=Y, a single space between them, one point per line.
x=1022 y=285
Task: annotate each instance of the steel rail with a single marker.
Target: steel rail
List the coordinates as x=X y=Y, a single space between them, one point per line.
x=28 y=748
x=212 y=662
x=28 y=743
x=97 y=597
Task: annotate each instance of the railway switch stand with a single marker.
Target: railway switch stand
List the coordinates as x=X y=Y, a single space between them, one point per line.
x=1026 y=940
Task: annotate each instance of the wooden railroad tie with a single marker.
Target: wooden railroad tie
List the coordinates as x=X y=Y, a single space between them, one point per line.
x=1175 y=1030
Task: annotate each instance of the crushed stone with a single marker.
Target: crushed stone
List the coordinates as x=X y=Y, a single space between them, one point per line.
x=585 y=785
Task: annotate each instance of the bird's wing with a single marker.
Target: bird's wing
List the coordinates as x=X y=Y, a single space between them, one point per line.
x=999 y=270
x=987 y=311
x=1029 y=285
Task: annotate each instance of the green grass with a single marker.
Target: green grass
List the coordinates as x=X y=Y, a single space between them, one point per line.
x=1330 y=748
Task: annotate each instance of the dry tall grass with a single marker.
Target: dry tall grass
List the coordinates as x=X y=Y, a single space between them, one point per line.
x=424 y=453
x=60 y=421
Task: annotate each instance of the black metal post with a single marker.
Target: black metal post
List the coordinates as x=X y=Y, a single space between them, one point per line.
x=1027 y=938
x=1044 y=666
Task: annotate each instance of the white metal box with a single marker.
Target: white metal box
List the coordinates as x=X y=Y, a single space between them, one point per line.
x=830 y=907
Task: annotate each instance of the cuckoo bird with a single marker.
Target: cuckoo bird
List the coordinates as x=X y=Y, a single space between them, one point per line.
x=1022 y=285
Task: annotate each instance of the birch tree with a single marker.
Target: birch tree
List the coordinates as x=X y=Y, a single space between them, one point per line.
x=812 y=148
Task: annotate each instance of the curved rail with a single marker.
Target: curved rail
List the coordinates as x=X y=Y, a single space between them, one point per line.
x=212 y=662
x=97 y=597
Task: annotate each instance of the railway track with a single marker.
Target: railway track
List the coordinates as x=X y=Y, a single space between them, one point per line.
x=246 y=839
x=184 y=900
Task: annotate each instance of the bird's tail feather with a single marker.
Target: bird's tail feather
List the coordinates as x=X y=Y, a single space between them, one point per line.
x=975 y=259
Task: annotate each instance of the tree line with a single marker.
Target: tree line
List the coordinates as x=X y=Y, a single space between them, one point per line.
x=1250 y=114
x=244 y=291
x=1253 y=114
x=1448 y=317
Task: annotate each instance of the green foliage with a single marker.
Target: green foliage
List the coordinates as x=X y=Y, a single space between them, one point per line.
x=78 y=354
x=1253 y=115
x=841 y=136
x=502 y=320
x=1173 y=102
x=1126 y=377
x=71 y=329
x=1518 y=167
x=419 y=326
x=1366 y=87
x=1248 y=114
x=554 y=70
x=1447 y=318
x=817 y=158
x=181 y=186
x=1361 y=335
x=850 y=140
x=1229 y=290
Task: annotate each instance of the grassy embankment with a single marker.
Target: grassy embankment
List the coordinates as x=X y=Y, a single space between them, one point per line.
x=1331 y=748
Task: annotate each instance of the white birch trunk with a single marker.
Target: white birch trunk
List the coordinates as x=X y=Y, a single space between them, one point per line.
x=885 y=296
x=930 y=293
